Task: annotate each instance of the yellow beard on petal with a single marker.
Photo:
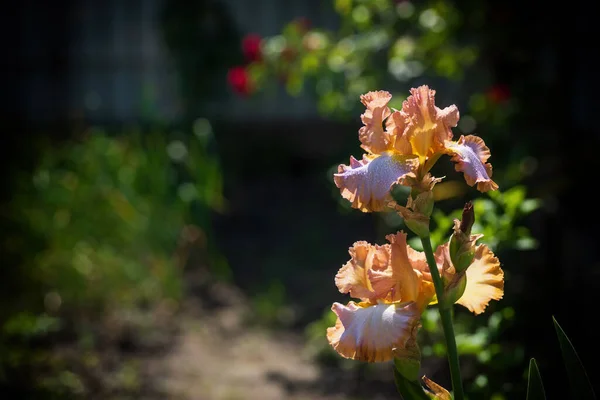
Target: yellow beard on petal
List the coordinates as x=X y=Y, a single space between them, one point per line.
x=422 y=138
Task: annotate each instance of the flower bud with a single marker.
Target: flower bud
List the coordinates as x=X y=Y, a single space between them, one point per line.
x=468 y=218
x=462 y=243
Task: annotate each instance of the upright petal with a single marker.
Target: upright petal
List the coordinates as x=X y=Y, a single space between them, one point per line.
x=410 y=279
x=395 y=126
x=372 y=333
x=485 y=281
x=372 y=136
x=427 y=126
x=367 y=183
x=407 y=280
x=418 y=260
x=471 y=154
x=366 y=260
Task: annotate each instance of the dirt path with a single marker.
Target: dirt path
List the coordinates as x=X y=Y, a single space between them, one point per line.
x=216 y=356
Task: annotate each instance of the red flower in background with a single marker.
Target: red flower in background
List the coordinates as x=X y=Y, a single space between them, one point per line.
x=499 y=93
x=251 y=47
x=240 y=82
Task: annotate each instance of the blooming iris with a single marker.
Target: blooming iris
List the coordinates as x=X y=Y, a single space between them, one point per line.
x=413 y=140
x=394 y=285
x=393 y=282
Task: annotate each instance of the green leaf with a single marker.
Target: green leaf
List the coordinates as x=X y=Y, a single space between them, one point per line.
x=409 y=390
x=581 y=388
x=535 y=388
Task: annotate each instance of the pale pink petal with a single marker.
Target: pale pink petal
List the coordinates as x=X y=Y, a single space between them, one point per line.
x=367 y=183
x=449 y=115
x=470 y=153
x=485 y=281
x=372 y=136
x=366 y=260
x=373 y=333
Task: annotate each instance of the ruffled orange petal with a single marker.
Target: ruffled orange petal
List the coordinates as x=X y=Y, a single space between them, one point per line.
x=407 y=280
x=367 y=260
x=372 y=136
x=367 y=183
x=372 y=333
x=485 y=281
x=410 y=279
x=427 y=126
x=395 y=126
x=418 y=260
x=470 y=153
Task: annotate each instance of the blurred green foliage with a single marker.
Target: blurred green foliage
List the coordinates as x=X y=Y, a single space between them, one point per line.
x=499 y=216
x=99 y=237
x=379 y=43
x=385 y=44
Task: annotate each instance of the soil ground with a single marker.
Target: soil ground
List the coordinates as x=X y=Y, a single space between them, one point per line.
x=216 y=356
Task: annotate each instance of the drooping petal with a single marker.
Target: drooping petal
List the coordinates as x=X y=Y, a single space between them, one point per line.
x=372 y=136
x=367 y=183
x=471 y=154
x=427 y=125
x=485 y=281
x=366 y=260
x=395 y=126
x=372 y=333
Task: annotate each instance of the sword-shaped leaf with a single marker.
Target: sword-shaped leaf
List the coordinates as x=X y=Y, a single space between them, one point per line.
x=580 y=386
x=535 y=388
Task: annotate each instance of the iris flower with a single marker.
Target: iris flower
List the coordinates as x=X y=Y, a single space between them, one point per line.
x=394 y=286
x=404 y=144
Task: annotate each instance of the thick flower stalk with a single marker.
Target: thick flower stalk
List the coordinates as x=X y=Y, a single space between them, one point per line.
x=394 y=283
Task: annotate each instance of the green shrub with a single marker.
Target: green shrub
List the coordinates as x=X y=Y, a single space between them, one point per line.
x=97 y=243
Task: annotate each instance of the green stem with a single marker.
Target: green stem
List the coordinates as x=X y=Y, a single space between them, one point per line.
x=446 y=316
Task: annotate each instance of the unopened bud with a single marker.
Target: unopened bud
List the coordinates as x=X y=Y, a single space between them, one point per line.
x=462 y=243
x=468 y=218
